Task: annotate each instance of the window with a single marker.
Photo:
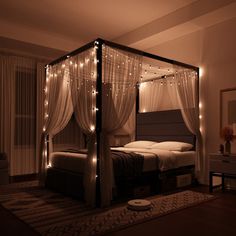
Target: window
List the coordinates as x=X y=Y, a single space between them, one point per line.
x=25 y=106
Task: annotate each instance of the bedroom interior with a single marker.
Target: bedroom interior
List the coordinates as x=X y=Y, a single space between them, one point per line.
x=37 y=55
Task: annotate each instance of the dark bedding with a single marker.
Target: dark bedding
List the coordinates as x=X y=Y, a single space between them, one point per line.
x=127 y=164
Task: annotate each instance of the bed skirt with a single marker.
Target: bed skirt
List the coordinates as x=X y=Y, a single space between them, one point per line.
x=149 y=183
x=65 y=182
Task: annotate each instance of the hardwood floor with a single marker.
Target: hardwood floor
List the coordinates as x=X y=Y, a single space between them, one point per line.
x=217 y=217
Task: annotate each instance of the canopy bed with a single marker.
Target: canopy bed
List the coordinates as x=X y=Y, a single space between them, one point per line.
x=101 y=83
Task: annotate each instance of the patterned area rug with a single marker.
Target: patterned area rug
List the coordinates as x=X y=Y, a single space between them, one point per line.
x=52 y=214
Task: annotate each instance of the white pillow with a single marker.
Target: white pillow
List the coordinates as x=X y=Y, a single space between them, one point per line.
x=140 y=144
x=173 y=146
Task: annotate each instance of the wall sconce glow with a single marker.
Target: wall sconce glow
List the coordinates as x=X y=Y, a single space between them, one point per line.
x=200 y=105
x=200 y=116
x=44 y=129
x=144 y=110
x=49 y=165
x=81 y=65
x=94 y=160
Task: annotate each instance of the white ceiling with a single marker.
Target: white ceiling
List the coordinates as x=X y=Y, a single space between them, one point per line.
x=67 y=25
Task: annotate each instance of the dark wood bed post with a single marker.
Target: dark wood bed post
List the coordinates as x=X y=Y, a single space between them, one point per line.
x=98 y=44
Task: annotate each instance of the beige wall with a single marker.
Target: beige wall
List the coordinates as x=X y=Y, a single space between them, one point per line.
x=214 y=50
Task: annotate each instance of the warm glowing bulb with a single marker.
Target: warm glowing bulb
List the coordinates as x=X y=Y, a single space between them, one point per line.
x=92 y=127
x=200 y=116
x=49 y=165
x=200 y=105
x=144 y=110
x=81 y=65
x=44 y=129
x=94 y=160
x=201 y=72
x=142 y=85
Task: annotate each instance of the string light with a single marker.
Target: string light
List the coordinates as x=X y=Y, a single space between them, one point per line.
x=49 y=165
x=81 y=65
x=92 y=127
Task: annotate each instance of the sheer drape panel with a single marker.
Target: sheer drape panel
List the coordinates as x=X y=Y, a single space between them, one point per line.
x=18 y=115
x=6 y=107
x=186 y=88
x=41 y=76
x=121 y=72
x=58 y=107
x=151 y=96
x=83 y=90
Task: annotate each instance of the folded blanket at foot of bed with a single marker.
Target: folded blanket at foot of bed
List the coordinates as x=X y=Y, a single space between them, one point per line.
x=127 y=164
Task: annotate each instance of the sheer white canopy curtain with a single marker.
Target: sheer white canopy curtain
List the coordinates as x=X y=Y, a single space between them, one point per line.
x=83 y=69
x=21 y=123
x=58 y=108
x=181 y=91
x=121 y=72
x=187 y=97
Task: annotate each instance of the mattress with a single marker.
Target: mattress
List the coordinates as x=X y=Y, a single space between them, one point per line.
x=154 y=159
x=159 y=159
x=69 y=161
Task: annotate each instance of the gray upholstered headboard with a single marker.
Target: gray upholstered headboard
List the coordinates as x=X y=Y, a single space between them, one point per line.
x=163 y=126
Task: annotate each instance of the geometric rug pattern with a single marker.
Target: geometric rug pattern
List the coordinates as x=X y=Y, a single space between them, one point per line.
x=53 y=214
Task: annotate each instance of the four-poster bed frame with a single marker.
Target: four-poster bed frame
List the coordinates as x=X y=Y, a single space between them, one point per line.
x=98 y=43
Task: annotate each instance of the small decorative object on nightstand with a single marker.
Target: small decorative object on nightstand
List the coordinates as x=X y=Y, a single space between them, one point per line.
x=222 y=166
x=227 y=134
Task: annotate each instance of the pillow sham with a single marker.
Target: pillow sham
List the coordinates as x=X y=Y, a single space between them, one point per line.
x=140 y=144
x=173 y=146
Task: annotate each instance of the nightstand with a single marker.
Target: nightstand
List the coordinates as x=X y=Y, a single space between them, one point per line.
x=222 y=166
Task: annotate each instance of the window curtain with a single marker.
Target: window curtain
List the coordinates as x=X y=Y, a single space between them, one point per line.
x=19 y=77
x=6 y=106
x=120 y=73
x=185 y=90
x=57 y=106
x=83 y=91
x=41 y=79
